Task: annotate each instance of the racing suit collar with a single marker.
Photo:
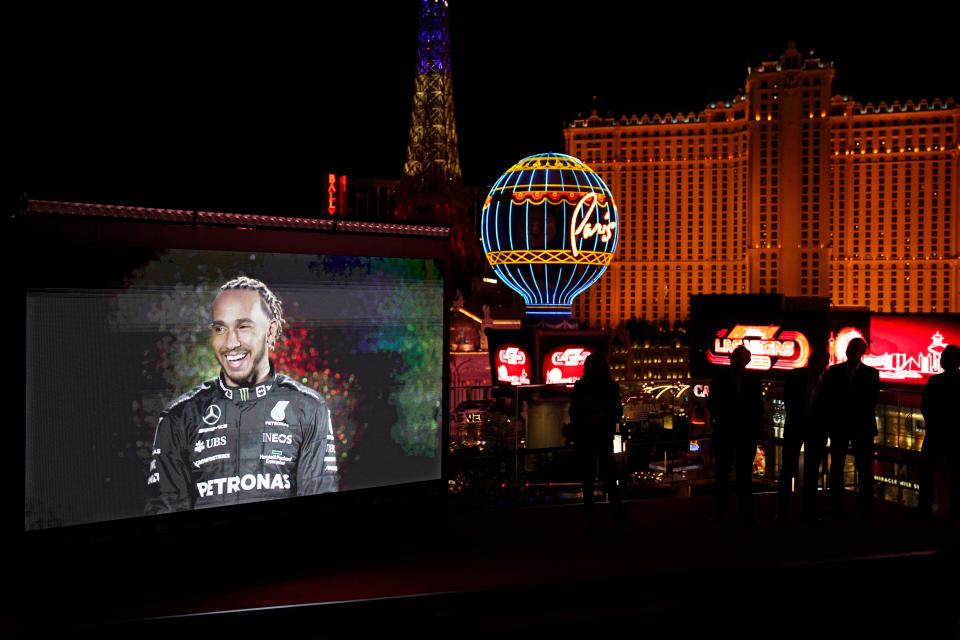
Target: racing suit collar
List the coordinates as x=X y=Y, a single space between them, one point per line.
x=243 y=394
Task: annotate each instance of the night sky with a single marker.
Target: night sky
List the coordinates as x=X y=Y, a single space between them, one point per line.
x=247 y=111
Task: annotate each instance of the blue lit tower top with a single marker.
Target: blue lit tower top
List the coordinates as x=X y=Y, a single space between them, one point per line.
x=549 y=229
x=432 y=154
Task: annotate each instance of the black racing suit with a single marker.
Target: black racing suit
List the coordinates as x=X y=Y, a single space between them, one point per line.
x=217 y=445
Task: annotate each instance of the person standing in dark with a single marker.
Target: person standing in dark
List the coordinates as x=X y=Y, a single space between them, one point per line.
x=941 y=400
x=595 y=410
x=803 y=427
x=736 y=412
x=851 y=390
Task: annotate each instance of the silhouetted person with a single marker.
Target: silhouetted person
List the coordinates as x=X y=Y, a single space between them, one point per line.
x=851 y=390
x=595 y=410
x=803 y=427
x=736 y=411
x=941 y=413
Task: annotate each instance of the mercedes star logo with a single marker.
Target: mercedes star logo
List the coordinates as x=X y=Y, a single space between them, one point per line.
x=212 y=415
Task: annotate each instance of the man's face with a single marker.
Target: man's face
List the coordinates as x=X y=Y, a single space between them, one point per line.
x=241 y=334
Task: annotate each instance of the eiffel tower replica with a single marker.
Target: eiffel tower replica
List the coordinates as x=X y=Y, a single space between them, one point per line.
x=432 y=188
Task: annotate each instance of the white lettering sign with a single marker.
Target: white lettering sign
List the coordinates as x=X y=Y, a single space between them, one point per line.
x=246 y=482
x=512 y=355
x=569 y=357
x=583 y=228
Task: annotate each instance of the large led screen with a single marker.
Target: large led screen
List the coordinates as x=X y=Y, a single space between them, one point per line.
x=906 y=348
x=149 y=389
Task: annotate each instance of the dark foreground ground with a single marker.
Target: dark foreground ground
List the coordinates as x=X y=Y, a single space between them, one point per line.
x=517 y=572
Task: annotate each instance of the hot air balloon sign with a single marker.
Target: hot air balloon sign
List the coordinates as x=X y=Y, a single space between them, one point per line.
x=549 y=230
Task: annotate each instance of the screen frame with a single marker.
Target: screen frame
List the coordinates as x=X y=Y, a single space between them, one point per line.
x=43 y=224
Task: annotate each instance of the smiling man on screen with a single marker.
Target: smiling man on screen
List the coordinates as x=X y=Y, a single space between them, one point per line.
x=249 y=434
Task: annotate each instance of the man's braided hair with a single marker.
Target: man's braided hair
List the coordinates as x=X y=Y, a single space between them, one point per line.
x=268 y=300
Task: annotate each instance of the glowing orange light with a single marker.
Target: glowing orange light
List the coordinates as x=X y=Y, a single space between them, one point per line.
x=770 y=348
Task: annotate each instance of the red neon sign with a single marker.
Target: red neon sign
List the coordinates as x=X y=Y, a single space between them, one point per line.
x=512 y=365
x=331 y=194
x=564 y=365
x=907 y=349
x=770 y=348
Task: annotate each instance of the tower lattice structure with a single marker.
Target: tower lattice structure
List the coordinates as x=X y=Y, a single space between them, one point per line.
x=432 y=186
x=432 y=154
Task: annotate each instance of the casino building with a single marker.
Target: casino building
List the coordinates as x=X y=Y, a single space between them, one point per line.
x=786 y=188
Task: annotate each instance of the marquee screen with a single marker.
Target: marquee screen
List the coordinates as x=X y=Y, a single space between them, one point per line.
x=131 y=403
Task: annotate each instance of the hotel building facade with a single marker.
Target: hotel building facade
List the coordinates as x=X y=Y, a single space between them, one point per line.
x=787 y=188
